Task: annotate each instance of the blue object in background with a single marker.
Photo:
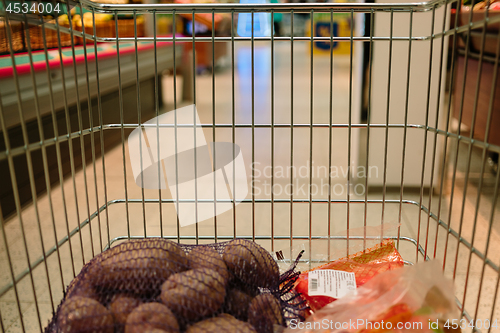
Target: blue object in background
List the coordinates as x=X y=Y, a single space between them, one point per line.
x=262 y=22
x=322 y=29
x=198 y=28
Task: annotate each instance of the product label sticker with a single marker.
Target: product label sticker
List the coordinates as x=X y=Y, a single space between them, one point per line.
x=330 y=282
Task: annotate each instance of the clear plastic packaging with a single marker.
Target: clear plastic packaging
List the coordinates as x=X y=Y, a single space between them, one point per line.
x=412 y=299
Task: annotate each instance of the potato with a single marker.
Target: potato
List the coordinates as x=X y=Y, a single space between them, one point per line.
x=81 y=314
x=207 y=257
x=138 y=266
x=194 y=294
x=121 y=306
x=152 y=317
x=81 y=286
x=251 y=263
x=222 y=324
x=237 y=303
x=248 y=289
x=264 y=312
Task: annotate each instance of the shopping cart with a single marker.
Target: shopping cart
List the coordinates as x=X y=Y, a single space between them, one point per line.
x=387 y=108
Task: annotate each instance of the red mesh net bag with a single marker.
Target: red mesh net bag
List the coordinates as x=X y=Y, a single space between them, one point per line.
x=155 y=285
x=364 y=264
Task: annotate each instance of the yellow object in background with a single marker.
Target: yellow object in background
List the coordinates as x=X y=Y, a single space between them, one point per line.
x=165 y=24
x=323 y=27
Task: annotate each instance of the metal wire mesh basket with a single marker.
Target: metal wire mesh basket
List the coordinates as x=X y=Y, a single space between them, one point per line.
x=397 y=131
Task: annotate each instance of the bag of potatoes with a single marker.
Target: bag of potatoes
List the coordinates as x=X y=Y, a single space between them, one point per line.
x=156 y=285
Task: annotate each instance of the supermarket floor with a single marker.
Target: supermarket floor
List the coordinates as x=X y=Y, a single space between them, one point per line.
x=71 y=203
